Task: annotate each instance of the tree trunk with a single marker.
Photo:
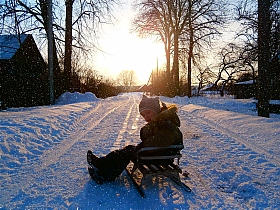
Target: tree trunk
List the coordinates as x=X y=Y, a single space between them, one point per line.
x=167 y=56
x=50 y=51
x=169 y=80
x=56 y=68
x=191 y=45
x=175 y=68
x=189 y=91
x=68 y=44
x=264 y=26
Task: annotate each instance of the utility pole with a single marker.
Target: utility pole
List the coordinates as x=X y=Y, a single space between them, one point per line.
x=157 y=69
x=50 y=50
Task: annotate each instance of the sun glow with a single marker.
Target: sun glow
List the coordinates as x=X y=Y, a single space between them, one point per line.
x=129 y=53
x=123 y=50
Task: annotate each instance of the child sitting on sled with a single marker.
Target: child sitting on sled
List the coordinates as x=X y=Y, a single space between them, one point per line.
x=161 y=130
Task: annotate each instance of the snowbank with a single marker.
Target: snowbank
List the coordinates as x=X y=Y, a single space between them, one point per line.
x=70 y=98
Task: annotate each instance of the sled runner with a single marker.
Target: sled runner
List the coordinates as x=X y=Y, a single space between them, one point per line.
x=152 y=161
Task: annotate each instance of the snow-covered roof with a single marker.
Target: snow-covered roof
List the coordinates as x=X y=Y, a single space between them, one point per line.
x=249 y=82
x=206 y=87
x=9 y=44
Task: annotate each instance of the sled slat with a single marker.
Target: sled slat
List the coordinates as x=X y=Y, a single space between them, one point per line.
x=158 y=165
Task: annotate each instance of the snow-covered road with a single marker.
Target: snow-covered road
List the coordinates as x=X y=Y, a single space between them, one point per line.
x=231 y=167
x=232 y=158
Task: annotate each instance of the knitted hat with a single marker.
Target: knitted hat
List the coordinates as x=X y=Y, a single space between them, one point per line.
x=152 y=104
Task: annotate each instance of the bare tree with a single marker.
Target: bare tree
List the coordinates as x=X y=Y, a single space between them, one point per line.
x=152 y=20
x=180 y=24
x=127 y=78
x=260 y=27
x=247 y=16
x=204 y=77
x=165 y=19
x=80 y=17
x=232 y=64
x=26 y=19
x=206 y=17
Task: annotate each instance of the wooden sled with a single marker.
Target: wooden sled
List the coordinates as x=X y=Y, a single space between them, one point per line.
x=153 y=161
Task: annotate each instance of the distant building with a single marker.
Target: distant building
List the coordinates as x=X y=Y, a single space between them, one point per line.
x=210 y=88
x=144 y=88
x=23 y=72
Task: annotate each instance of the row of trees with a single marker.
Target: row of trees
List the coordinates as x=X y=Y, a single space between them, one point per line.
x=188 y=29
x=92 y=81
x=72 y=21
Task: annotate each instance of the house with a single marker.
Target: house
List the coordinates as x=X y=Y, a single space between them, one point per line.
x=210 y=88
x=245 y=89
x=23 y=72
x=144 y=88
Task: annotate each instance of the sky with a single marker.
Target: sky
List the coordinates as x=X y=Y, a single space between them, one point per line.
x=231 y=154
x=123 y=50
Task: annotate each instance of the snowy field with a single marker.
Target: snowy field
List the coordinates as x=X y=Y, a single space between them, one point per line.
x=232 y=155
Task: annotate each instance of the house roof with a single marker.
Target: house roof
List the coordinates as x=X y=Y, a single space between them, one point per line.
x=249 y=82
x=9 y=44
x=208 y=86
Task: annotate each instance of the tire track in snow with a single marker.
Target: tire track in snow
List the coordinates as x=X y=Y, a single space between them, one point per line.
x=200 y=186
x=273 y=159
x=75 y=136
x=84 y=118
x=52 y=155
x=226 y=164
x=120 y=140
x=196 y=180
x=200 y=183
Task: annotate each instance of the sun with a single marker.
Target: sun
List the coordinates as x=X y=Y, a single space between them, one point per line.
x=141 y=56
x=123 y=50
x=128 y=52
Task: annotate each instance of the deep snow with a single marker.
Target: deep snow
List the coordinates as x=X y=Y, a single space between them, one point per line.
x=232 y=155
